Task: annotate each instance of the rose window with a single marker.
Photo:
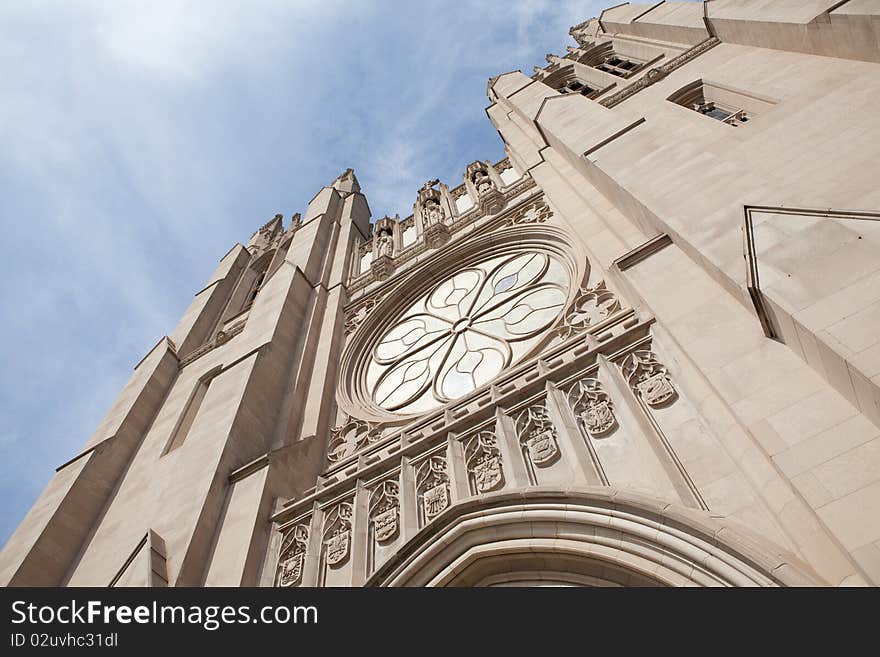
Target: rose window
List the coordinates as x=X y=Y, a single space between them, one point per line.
x=466 y=330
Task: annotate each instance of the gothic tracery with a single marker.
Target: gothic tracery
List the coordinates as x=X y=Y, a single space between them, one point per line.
x=465 y=331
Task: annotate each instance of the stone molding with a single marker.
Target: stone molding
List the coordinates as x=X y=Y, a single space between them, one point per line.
x=642 y=251
x=659 y=72
x=517 y=388
x=663 y=542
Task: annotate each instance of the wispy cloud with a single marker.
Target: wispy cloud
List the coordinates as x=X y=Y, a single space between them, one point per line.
x=141 y=140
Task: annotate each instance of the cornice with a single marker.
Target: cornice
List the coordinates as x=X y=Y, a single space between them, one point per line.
x=658 y=73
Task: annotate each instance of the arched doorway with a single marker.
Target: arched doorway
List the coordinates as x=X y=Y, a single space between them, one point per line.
x=586 y=537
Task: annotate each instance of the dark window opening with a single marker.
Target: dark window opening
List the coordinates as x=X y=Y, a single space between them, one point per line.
x=577 y=87
x=726 y=115
x=619 y=66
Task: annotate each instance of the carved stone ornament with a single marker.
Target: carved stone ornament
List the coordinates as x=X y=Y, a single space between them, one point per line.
x=535 y=212
x=589 y=307
x=436 y=235
x=489 y=198
x=291 y=569
x=337 y=547
x=537 y=435
x=384 y=245
x=592 y=406
x=660 y=72
x=541 y=446
x=382 y=267
x=358 y=314
x=349 y=437
x=385 y=510
x=432 y=486
x=648 y=378
x=483 y=461
x=487 y=472
x=337 y=534
x=432 y=212
x=386 y=524
x=291 y=559
x=435 y=499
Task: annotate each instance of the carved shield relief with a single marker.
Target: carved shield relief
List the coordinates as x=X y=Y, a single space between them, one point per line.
x=291 y=570
x=435 y=501
x=292 y=557
x=542 y=446
x=385 y=524
x=487 y=473
x=385 y=510
x=648 y=377
x=656 y=389
x=337 y=547
x=598 y=417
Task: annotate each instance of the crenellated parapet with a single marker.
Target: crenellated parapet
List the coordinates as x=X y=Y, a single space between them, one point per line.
x=440 y=214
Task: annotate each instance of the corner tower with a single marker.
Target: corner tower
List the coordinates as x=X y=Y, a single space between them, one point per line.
x=221 y=417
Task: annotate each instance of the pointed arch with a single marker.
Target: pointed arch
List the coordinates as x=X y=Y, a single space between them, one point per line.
x=598 y=536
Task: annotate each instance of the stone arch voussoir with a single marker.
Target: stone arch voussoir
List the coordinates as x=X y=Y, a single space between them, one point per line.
x=587 y=535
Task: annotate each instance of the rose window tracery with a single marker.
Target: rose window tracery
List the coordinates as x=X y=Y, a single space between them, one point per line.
x=466 y=330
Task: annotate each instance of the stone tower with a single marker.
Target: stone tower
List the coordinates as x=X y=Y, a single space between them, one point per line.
x=641 y=349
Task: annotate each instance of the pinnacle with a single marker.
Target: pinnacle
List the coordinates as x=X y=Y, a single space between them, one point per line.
x=347 y=182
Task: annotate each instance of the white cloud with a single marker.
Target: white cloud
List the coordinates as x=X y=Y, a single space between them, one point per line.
x=142 y=139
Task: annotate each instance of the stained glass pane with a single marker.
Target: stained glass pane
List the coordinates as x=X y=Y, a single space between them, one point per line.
x=466 y=330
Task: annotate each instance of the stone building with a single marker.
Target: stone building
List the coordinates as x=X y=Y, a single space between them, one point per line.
x=644 y=348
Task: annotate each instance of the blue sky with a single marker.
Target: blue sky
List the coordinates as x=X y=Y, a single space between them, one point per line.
x=141 y=140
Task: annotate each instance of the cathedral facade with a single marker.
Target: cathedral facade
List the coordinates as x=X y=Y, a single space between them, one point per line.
x=642 y=349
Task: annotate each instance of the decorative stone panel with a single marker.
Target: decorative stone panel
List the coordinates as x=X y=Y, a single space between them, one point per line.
x=537 y=436
x=592 y=406
x=432 y=488
x=649 y=378
x=292 y=557
x=483 y=462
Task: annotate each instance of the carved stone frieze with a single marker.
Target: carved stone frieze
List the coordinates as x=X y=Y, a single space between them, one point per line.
x=535 y=212
x=349 y=437
x=589 y=307
x=436 y=235
x=355 y=316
